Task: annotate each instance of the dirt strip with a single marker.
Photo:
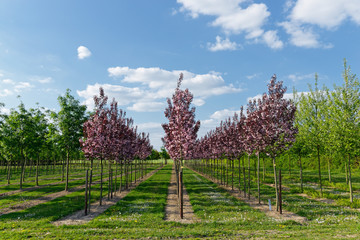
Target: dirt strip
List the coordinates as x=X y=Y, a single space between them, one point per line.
x=44 y=199
x=79 y=217
x=39 y=187
x=264 y=207
x=172 y=211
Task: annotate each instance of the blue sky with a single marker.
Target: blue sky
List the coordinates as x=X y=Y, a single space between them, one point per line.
x=227 y=50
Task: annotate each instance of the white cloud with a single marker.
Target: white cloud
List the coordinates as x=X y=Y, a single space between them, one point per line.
x=123 y=95
x=286 y=96
x=147 y=106
x=297 y=77
x=149 y=125
x=8 y=81
x=198 y=102
x=83 y=52
x=5 y=92
x=325 y=14
x=272 y=40
x=155 y=85
x=223 y=114
x=155 y=131
x=233 y=18
x=4 y=110
x=255 y=75
x=215 y=119
x=222 y=45
x=20 y=86
x=301 y=36
x=45 y=80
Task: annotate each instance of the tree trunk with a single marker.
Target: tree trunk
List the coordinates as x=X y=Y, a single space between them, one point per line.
x=249 y=176
x=232 y=175
x=121 y=175
x=239 y=174
x=276 y=185
x=101 y=181
x=264 y=169
x=244 y=175
x=24 y=169
x=346 y=172
x=320 y=182
x=350 y=182
x=9 y=172
x=329 y=170
x=67 y=170
x=63 y=169
x=301 y=175
x=91 y=173
x=109 y=183
x=258 y=176
x=37 y=171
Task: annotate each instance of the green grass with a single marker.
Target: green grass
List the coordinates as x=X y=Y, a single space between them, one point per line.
x=140 y=215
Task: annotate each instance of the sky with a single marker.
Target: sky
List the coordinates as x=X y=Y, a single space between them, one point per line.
x=227 y=50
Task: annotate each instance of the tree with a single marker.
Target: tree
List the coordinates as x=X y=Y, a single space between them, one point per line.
x=277 y=117
x=311 y=121
x=70 y=118
x=181 y=131
x=345 y=118
x=164 y=154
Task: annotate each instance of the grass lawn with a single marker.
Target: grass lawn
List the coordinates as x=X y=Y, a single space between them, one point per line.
x=141 y=215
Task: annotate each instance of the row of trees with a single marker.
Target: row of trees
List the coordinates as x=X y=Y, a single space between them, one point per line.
x=329 y=125
x=41 y=137
x=34 y=138
x=268 y=127
x=326 y=123
x=110 y=135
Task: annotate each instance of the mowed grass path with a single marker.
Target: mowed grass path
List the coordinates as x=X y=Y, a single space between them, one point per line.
x=141 y=215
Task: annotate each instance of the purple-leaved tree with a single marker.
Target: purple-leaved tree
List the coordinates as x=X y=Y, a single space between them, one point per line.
x=180 y=132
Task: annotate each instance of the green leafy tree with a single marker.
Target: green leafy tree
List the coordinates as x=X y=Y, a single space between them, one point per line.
x=310 y=120
x=345 y=119
x=70 y=118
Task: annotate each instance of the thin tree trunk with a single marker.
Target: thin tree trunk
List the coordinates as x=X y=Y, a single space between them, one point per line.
x=258 y=176
x=232 y=175
x=276 y=186
x=90 y=182
x=249 y=176
x=346 y=172
x=121 y=174
x=264 y=169
x=244 y=175
x=101 y=181
x=63 y=169
x=320 y=182
x=67 y=170
x=329 y=170
x=24 y=169
x=37 y=171
x=22 y=172
x=9 y=172
x=350 y=182
x=239 y=174
x=109 y=183
x=301 y=175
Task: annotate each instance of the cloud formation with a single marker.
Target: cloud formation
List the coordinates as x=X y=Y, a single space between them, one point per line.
x=305 y=15
x=83 y=52
x=222 y=44
x=154 y=85
x=234 y=19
